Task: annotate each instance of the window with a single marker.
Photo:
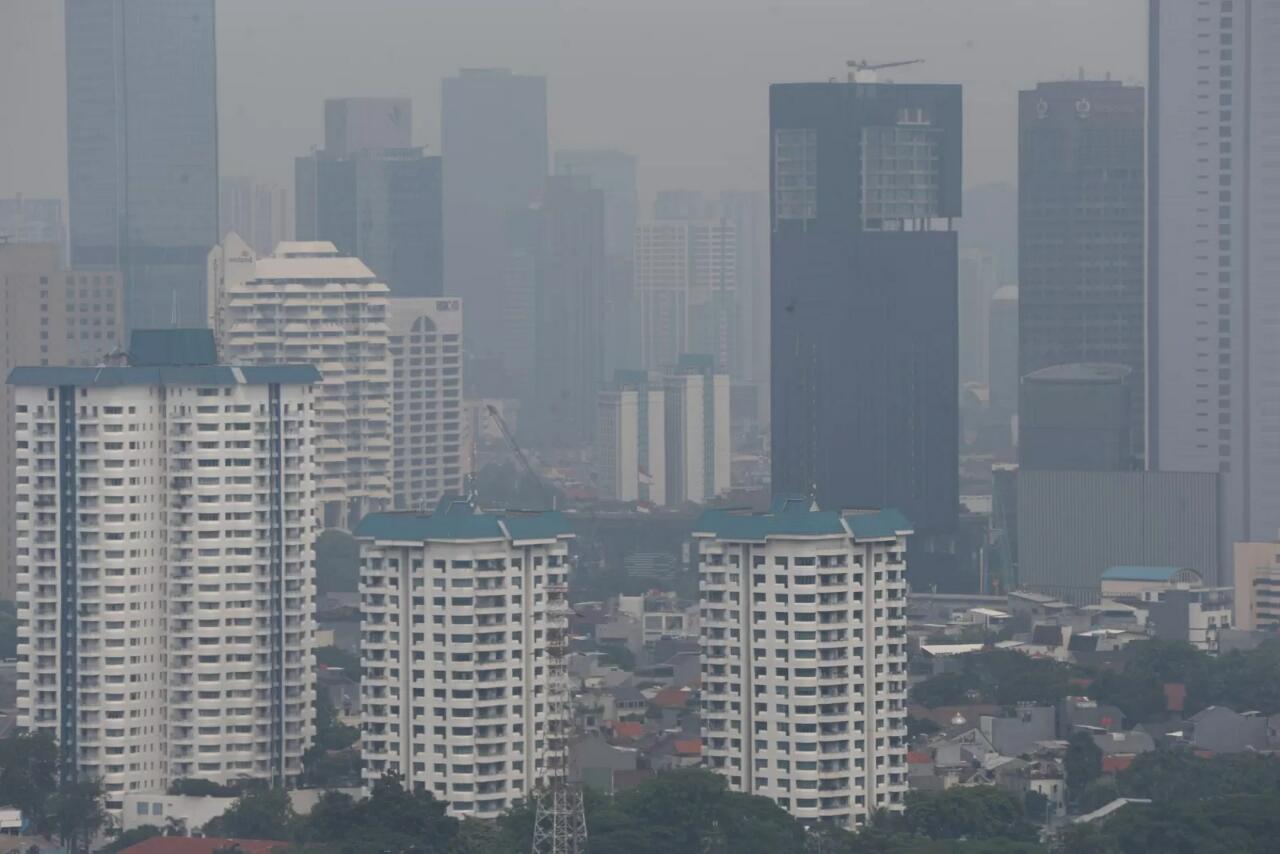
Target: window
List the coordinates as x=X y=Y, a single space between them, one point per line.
x=795 y=154
x=900 y=169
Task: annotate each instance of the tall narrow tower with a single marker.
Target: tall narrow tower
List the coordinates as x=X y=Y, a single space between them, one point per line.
x=560 y=825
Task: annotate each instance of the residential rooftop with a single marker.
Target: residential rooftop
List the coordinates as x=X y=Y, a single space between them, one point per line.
x=456 y=518
x=797 y=516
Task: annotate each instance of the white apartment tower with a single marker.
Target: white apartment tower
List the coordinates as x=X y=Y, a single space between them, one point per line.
x=697 y=442
x=307 y=303
x=461 y=609
x=429 y=453
x=686 y=287
x=166 y=520
x=631 y=459
x=1213 y=272
x=804 y=675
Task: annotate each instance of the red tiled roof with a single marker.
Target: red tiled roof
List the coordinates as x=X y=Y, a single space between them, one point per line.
x=1116 y=764
x=628 y=729
x=202 y=845
x=671 y=698
x=689 y=747
x=1175 y=696
x=916 y=757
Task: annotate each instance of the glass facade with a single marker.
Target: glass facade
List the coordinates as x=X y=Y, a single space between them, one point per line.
x=142 y=150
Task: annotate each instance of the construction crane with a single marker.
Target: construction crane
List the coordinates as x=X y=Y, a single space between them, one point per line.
x=861 y=71
x=524 y=461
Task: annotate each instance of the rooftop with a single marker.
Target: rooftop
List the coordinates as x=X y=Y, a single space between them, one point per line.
x=797 y=516
x=1081 y=372
x=169 y=357
x=1168 y=574
x=456 y=518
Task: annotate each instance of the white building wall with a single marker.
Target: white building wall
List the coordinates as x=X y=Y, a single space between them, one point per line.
x=457 y=687
x=429 y=456
x=804 y=671
x=1214 y=284
x=172 y=583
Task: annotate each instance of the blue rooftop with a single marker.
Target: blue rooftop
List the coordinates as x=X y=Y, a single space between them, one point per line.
x=456 y=518
x=797 y=516
x=1141 y=573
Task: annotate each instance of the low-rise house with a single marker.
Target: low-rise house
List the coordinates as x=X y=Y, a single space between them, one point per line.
x=1018 y=734
x=1218 y=729
x=1120 y=748
x=595 y=762
x=1081 y=712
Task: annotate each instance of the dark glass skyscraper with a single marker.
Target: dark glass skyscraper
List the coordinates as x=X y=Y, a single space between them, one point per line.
x=493 y=128
x=374 y=196
x=142 y=150
x=1080 y=230
x=865 y=183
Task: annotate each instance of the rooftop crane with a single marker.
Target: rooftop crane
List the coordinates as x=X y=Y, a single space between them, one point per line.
x=861 y=71
x=524 y=461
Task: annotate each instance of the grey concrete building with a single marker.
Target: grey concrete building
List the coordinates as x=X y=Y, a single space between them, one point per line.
x=1077 y=417
x=1073 y=525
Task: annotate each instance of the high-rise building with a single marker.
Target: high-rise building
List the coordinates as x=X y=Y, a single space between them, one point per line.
x=48 y=316
x=261 y=213
x=748 y=210
x=631 y=457
x=231 y=263
x=804 y=666
x=686 y=287
x=166 y=526
x=428 y=439
x=493 y=128
x=1077 y=418
x=1080 y=230
x=24 y=220
x=568 y=316
x=374 y=196
x=1213 y=275
x=613 y=173
x=978 y=283
x=865 y=398
x=308 y=303
x=1002 y=361
x=142 y=150
x=696 y=409
x=458 y=608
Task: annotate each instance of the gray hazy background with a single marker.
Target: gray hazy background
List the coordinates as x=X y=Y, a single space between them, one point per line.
x=680 y=83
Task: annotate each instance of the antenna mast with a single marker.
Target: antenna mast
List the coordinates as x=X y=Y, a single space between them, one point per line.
x=560 y=824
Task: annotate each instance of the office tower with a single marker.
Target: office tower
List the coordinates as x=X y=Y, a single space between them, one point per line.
x=613 y=173
x=631 y=457
x=1002 y=361
x=696 y=409
x=686 y=286
x=493 y=127
x=166 y=523
x=230 y=264
x=748 y=210
x=1077 y=417
x=306 y=302
x=24 y=220
x=568 y=334
x=261 y=213
x=428 y=440
x=458 y=607
x=978 y=284
x=866 y=183
x=1213 y=295
x=48 y=316
x=374 y=196
x=804 y=666
x=1080 y=229
x=142 y=150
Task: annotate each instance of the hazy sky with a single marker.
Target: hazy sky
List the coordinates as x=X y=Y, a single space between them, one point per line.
x=680 y=83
